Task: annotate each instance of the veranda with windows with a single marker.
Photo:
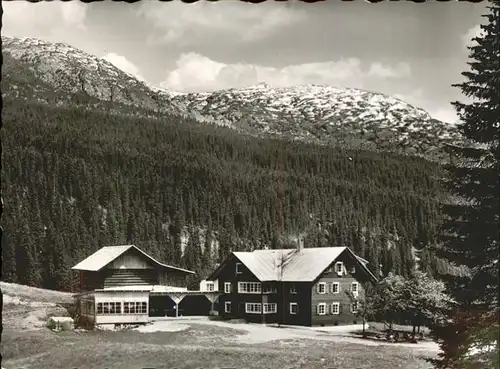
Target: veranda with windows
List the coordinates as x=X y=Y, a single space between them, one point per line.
x=126 y=306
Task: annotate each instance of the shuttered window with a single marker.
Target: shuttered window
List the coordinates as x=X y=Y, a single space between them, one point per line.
x=322 y=308
x=355 y=288
x=321 y=287
x=339 y=267
x=354 y=307
x=335 y=287
x=335 y=308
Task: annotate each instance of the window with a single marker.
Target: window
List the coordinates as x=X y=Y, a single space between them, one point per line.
x=336 y=308
x=293 y=289
x=322 y=308
x=108 y=308
x=249 y=287
x=238 y=268
x=128 y=308
x=293 y=308
x=352 y=270
x=354 y=288
x=227 y=287
x=335 y=287
x=252 y=308
x=115 y=308
x=270 y=308
x=354 y=307
x=227 y=307
x=266 y=308
x=339 y=267
x=135 y=307
x=210 y=286
x=322 y=287
x=268 y=289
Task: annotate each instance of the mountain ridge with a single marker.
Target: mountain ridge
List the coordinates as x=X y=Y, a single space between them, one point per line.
x=345 y=117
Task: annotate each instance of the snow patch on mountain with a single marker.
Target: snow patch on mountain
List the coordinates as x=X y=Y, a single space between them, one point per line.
x=322 y=114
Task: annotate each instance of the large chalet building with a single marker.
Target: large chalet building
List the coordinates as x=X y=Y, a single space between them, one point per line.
x=125 y=285
x=303 y=286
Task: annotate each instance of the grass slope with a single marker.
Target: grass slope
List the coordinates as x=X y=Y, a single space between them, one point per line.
x=199 y=346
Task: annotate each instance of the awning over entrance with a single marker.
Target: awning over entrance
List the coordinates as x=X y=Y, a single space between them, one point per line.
x=177 y=296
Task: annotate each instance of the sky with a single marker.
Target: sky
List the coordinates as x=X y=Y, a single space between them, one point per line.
x=413 y=51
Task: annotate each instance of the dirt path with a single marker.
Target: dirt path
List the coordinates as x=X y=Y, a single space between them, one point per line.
x=257 y=333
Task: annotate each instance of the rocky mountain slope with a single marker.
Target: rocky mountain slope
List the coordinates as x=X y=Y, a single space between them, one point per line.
x=55 y=73
x=325 y=114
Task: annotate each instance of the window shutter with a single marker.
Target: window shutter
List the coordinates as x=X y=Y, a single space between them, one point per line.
x=317 y=288
x=340 y=308
x=315 y=309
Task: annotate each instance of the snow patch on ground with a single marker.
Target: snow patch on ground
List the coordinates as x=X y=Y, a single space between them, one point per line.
x=163 y=326
x=260 y=333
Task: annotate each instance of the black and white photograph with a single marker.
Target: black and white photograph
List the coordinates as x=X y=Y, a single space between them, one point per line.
x=250 y=184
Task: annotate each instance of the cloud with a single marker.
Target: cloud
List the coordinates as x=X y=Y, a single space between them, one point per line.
x=196 y=73
x=473 y=32
x=385 y=71
x=447 y=115
x=204 y=20
x=43 y=19
x=413 y=97
x=418 y=99
x=124 y=64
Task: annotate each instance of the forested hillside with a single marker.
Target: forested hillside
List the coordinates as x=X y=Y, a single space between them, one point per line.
x=74 y=180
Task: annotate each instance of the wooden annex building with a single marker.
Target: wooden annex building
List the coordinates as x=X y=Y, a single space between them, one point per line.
x=124 y=285
x=303 y=286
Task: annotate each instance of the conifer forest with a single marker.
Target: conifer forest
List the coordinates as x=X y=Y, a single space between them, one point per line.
x=75 y=180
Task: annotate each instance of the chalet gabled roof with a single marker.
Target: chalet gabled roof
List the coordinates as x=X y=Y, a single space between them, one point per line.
x=291 y=265
x=107 y=254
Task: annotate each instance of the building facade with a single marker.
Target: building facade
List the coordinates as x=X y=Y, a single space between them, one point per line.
x=310 y=287
x=122 y=284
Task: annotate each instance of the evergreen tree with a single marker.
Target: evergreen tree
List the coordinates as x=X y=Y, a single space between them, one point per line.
x=9 y=269
x=469 y=234
x=148 y=172
x=26 y=256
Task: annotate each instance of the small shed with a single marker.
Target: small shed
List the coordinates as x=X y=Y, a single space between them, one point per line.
x=58 y=322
